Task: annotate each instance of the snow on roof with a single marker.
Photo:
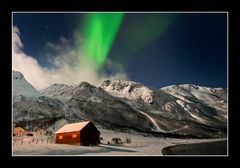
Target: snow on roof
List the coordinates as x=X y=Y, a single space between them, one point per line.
x=18 y=130
x=72 y=127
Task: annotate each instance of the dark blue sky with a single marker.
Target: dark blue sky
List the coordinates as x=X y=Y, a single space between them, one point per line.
x=192 y=49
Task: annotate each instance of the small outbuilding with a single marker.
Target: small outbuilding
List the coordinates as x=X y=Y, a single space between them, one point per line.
x=82 y=133
x=18 y=131
x=39 y=132
x=27 y=133
x=117 y=140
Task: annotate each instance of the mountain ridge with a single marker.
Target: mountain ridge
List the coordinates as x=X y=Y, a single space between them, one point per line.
x=187 y=109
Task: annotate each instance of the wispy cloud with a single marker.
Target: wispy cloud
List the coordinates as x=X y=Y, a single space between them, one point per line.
x=68 y=66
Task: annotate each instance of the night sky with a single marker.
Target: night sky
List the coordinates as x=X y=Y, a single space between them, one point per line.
x=156 y=49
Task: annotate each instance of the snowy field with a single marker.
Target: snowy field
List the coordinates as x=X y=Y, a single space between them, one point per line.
x=140 y=145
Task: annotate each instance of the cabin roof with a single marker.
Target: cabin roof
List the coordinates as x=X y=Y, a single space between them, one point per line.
x=72 y=127
x=18 y=130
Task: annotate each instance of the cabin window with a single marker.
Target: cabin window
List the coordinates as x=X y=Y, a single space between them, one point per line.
x=60 y=137
x=74 y=135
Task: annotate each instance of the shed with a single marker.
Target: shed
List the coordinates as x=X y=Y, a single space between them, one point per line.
x=39 y=132
x=27 y=133
x=117 y=140
x=18 y=131
x=81 y=133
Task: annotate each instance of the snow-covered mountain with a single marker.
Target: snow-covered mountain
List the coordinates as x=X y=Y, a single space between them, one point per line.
x=55 y=90
x=204 y=105
x=200 y=105
x=193 y=99
x=130 y=90
x=189 y=110
x=30 y=105
x=21 y=86
x=91 y=102
x=215 y=98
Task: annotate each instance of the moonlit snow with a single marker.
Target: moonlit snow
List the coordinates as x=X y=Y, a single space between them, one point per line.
x=120 y=109
x=140 y=146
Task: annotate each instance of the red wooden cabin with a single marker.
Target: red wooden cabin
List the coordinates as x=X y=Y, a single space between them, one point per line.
x=82 y=133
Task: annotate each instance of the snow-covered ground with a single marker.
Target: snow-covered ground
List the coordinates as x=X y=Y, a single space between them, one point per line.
x=140 y=146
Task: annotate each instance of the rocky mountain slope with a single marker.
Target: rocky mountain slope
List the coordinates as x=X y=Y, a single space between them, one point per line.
x=186 y=110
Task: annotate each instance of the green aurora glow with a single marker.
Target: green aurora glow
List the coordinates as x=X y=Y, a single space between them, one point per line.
x=99 y=32
x=146 y=29
x=140 y=30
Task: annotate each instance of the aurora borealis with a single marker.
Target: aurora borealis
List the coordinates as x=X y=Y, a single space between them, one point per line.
x=99 y=32
x=146 y=29
x=155 y=48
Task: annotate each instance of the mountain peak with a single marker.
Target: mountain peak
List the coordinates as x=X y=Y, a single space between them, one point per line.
x=17 y=75
x=120 y=84
x=128 y=89
x=21 y=86
x=84 y=84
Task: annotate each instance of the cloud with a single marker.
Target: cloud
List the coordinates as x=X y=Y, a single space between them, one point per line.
x=68 y=66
